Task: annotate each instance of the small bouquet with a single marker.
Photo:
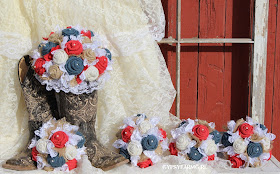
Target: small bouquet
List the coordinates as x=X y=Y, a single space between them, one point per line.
x=72 y=60
x=247 y=143
x=195 y=140
x=57 y=145
x=141 y=140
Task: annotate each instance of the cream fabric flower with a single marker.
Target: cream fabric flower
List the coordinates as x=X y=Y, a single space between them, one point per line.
x=239 y=146
x=182 y=142
x=211 y=147
x=266 y=144
x=145 y=126
x=41 y=146
x=91 y=73
x=60 y=56
x=134 y=148
x=70 y=152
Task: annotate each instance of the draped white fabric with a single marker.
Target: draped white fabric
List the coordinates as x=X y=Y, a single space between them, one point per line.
x=139 y=83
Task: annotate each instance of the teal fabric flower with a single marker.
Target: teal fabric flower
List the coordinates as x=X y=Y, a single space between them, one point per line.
x=216 y=136
x=82 y=141
x=70 y=31
x=74 y=65
x=194 y=154
x=182 y=123
x=46 y=48
x=57 y=161
x=225 y=141
x=254 y=149
x=263 y=127
x=149 y=143
x=108 y=54
x=124 y=153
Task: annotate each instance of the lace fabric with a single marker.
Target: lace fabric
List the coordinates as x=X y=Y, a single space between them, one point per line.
x=139 y=83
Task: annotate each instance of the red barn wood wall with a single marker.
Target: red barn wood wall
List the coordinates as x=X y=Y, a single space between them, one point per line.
x=272 y=101
x=215 y=78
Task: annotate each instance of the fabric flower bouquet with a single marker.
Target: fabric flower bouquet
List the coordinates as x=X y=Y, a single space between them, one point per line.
x=247 y=143
x=73 y=60
x=141 y=140
x=195 y=140
x=57 y=146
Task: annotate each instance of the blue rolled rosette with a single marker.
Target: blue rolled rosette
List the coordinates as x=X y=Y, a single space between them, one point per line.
x=254 y=149
x=216 y=136
x=225 y=141
x=194 y=154
x=182 y=123
x=82 y=141
x=263 y=127
x=124 y=153
x=74 y=65
x=108 y=54
x=149 y=143
x=70 y=31
x=46 y=48
x=57 y=161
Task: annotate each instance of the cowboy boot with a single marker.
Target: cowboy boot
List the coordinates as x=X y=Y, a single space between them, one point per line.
x=81 y=110
x=41 y=106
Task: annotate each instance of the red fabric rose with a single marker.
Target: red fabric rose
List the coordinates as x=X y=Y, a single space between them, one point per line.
x=145 y=163
x=245 y=130
x=34 y=154
x=163 y=133
x=73 y=47
x=236 y=162
x=38 y=66
x=126 y=133
x=211 y=158
x=102 y=64
x=88 y=33
x=59 y=139
x=72 y=164
x=49 y=56
x=200 y=131
x=172 y=149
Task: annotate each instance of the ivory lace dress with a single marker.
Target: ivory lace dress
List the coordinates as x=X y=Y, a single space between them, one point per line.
x=139 y=81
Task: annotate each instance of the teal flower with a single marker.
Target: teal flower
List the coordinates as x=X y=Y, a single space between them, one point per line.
x=254 y=149
x=57 y=161
x=225 y=141
x=70 y=31
x=216 y=136
x=149 y=143
x=46 y=48
x=82 y=141
x=194 y=154
x=74 y=65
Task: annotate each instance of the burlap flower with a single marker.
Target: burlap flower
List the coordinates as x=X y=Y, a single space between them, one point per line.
x=55 y=72
x=89 y=55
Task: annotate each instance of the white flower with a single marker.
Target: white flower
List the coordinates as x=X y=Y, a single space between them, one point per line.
x=70 y=152
x=182 y=142
x=145 y=126
x=41 y=146
x=211 y=147
x=91 y=73
x=60 y=56
x=266 y=144
x=239 y=146
x=134 y=148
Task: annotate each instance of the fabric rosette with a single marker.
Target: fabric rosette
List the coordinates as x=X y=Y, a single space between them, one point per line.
x=58 y=146
x=247 y=143
x=195 y=140
x=141 y=140
x=72 y=60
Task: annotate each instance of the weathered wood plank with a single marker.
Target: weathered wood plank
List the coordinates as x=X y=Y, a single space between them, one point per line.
x=209 y=40
x=259 y=60
x=211 y=63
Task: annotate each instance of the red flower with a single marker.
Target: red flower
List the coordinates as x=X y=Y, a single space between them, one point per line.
x=88 y=33
x=34 y=154
x=211 y=158
x=59 y=139
x=245 y=130
x=163 y=133
x=200 y=131
x=270 y=154
x=145 y=163
x=49 y=56
x=73 y=47
x=126 y=133
x=72 y=164
x=172 y=149
x=38 y=66
x=102 y=64
x=236 y=162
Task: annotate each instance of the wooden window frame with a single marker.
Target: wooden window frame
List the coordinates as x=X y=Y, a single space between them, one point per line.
x=259 y=43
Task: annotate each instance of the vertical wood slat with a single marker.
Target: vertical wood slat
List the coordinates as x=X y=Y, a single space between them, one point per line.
x=178 y=58
x=259 y=60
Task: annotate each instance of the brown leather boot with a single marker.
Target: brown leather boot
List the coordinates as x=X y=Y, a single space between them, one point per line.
x=41 y=106
x=81 y=110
